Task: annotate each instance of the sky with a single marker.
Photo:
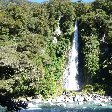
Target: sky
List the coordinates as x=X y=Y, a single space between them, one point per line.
x=47 y=0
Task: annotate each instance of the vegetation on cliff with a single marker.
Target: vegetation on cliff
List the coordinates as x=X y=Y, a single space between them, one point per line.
x=31 y=64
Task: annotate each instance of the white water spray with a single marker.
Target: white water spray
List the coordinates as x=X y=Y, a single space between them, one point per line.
x=70 y=79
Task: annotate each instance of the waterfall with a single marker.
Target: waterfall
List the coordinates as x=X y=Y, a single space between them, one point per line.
x=70 y=75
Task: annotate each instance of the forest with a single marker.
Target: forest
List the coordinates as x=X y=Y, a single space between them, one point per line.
x=31 y=64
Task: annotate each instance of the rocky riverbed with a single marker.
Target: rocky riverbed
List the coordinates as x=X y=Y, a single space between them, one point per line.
x=78 y=99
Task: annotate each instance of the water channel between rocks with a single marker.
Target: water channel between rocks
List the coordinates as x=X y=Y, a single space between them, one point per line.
x=70 y=107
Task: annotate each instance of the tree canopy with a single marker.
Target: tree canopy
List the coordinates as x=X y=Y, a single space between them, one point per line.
x=31 y=64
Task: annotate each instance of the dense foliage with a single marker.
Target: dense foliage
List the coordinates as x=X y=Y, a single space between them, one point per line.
x=31 y=64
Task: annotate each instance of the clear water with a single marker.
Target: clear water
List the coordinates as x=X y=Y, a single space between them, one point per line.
x=2 y=109
x=66 y=107
x=70 y=107
x=69 y=110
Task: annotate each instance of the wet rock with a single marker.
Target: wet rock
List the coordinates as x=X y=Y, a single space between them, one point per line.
x=80 y=103
x=36 y=100
x=80 y=99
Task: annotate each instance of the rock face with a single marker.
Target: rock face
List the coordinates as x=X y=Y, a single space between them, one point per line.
x=56 y=34
x=54 y=40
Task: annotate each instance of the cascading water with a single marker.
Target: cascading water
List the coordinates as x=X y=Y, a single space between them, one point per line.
x=70 y=80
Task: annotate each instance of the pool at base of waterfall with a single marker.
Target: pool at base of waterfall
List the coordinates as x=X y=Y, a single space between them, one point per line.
x=66 y=107
x=2 y=109
x=70 y=107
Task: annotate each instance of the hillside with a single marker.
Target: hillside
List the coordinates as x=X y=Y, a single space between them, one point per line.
x=31 y=64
